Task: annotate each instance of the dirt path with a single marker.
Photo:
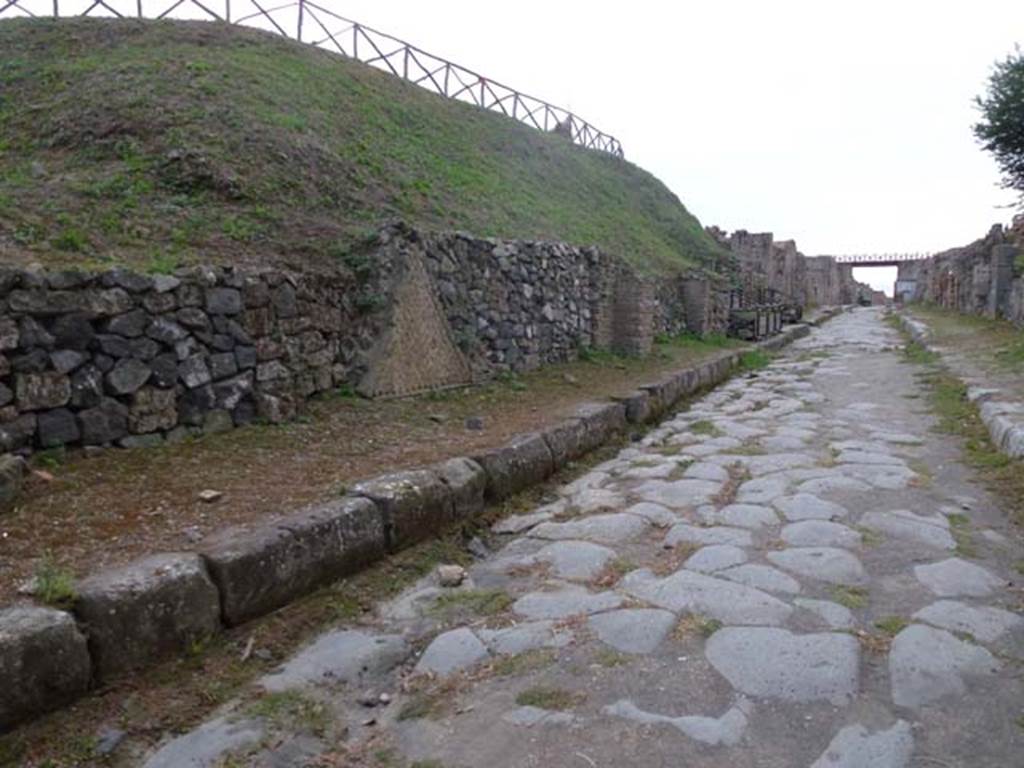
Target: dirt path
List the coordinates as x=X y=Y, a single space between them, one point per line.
x=796 y=572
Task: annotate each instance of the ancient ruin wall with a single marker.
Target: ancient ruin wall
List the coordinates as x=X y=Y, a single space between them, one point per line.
x=128 y=359
x=983 y=278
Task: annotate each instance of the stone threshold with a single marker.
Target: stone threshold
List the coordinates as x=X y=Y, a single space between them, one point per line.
x=1002 y=416
x=127 y=618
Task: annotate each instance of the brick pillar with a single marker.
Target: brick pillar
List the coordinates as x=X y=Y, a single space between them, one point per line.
x=634 y=309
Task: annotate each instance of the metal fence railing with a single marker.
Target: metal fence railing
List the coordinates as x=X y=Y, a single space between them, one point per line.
x=313 y=23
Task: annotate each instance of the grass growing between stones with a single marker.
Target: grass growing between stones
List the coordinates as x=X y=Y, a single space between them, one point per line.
x=738 y=475
x=892 y=625
x=853 y=598
x=754 y=360
x=696 y=625
x=519 y=664
x=610 y=658
x=914 y=352
x=53 y=584
x=291 y=709
x=477 y=602
x=612 y=573
x=549 y=698
x=705 y=427
x=869 y=536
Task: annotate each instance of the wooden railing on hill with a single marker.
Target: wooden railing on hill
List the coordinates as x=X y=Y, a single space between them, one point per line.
x=312 y=23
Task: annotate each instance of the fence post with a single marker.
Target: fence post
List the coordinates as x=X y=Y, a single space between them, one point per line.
x=302 y=8
x=56 y=10
x=355 y=42
x=227 y=11
x=405 y=64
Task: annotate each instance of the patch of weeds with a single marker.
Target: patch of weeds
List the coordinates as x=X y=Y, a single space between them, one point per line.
x=291 y=709
x=754 y=360
x=748 y=448
x=1019 y=566
x=738 y=474
x=831 y=460
x=346 y=392
x=612 y=572
x=874 y=643
x=965 y=546
x=853 y=598
x=1020 y=722
x=54 y=584
x=609 y=658
x=705 y=427
x=914 y=352
x=549 y=698
x=695 y=624
x=71 y=240
x=669 y=560
x=521 y=663
x=478 y=602
x=892 y=625
x=869 y=536
x=923 y=471
x=51 y=458
x=162 y=264
x=512 y=380
x=432 y=702
x=427 y=764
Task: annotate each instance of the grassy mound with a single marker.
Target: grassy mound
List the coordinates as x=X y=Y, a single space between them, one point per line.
x=158 y=144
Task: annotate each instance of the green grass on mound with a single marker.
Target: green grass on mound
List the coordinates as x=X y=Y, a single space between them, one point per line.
x=164 y=143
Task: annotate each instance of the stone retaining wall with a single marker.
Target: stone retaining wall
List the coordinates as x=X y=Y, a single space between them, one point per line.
x=119 y=358
x=129 y=617
x=127 y=359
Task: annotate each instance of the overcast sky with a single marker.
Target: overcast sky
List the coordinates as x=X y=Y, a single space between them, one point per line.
x=844 y=126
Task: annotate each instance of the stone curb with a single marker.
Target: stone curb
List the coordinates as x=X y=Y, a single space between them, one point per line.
x=1004 y=419
x=129 y=617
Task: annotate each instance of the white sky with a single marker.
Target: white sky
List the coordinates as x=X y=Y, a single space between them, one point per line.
x=844 y=126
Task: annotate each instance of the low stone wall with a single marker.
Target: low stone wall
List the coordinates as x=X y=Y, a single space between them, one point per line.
x=129 y=617
x=118 y=358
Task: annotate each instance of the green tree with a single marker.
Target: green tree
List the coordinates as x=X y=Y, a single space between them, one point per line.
x=1001 y=129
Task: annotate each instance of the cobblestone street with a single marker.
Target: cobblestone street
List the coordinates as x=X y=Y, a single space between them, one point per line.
x=795 y=571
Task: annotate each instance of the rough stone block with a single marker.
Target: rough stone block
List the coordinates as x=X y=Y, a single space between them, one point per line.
x=17 y=431
x=524 y=461
x=44 y=662
x=223 y=301
x=566 y=441
x=147 y=609
x=467 y=481
x=638 y=407
x=12 y=473
x=105 y=423
x=260 y=570
x=57 y=427
x=415 y=504
x=603 y=420
x=35 y=391
x=152 y=409
x=127 y=376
